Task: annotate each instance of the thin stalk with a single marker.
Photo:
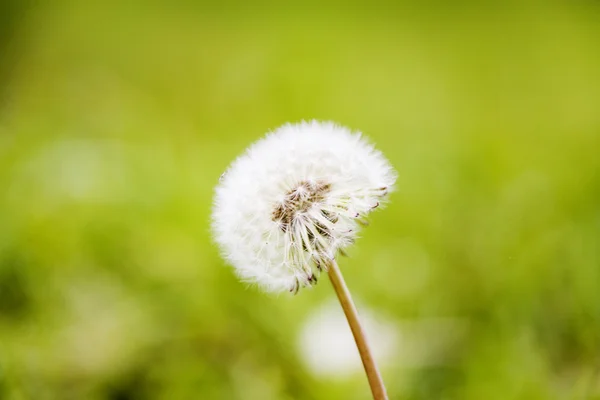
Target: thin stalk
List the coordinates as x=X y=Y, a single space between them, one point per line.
x=360 y=337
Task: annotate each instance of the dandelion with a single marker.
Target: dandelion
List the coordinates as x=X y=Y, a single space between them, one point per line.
x=295 y=200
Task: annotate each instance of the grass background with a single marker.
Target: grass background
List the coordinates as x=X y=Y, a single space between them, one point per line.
x=117 y=119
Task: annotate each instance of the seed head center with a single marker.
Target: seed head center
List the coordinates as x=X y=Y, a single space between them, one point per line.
x=299 y=200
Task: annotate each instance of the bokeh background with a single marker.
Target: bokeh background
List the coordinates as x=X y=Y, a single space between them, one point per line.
x=482 y=276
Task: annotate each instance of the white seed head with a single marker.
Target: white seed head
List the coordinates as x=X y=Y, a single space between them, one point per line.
x=296 y=198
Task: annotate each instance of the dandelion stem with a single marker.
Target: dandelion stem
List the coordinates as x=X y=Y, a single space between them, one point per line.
x=360 y=337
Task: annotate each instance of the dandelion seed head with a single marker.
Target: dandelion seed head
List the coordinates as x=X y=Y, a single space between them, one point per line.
x=294 y=200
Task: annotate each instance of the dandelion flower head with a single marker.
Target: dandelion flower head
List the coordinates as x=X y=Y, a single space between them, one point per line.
x=295 y=199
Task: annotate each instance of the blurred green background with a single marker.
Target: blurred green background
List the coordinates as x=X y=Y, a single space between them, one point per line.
x=117 y=118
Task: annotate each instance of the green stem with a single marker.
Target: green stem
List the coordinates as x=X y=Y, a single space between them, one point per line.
x=360 y=337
